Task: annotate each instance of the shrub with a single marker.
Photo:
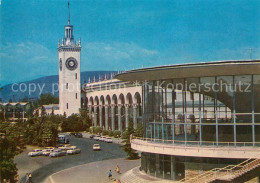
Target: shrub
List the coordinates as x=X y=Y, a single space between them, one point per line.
x=92 y=129
x=104 y=132
x=97 y=130
x=116 y=133
x=111 y=133
x=124 y=134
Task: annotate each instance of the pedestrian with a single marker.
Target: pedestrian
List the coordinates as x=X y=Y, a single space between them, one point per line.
x=109 y=175
x=114 y=181
x=118 y=181
x=27 y=178
x=30 y=178
x=117 y=169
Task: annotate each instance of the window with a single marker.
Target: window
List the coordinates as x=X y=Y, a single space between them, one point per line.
x=67 y=85
x=76 y=76
x=67 y=105
x=76 y=95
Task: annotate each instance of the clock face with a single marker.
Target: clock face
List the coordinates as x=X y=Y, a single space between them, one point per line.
x=71 y=63
x=60 y=65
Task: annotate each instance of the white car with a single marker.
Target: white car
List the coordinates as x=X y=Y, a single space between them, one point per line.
x=35 y=152
x=102 y=138
x=65 y=147
x=73 y=151
x=72 y=147
x=96 y=147
x=46 y=152
x=108 y=140
x=55 y=153
x=97 y=137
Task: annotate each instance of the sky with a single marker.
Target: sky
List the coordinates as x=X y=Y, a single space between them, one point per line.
x=125 y=34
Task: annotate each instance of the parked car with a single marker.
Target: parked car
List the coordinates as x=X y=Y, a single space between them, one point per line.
x=97 y=137
x=35 y=152
x=78 y=135
x=73 y=151
x=96 y=147
x=55 y=153
x=65 y=147
x=62 y=153
x=108 y=140
x=92 y=136
x=46 y=152
x=102 y=138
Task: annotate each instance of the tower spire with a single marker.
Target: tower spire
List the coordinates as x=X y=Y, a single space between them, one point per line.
x=68 y=12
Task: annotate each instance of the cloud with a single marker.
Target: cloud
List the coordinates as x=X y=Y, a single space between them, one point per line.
x=26 y=60
x=116 y=55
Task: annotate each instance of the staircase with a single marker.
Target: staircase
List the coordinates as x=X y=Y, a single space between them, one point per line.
x=227 y=173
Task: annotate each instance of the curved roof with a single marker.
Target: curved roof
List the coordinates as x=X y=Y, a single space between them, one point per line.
x=205 y=69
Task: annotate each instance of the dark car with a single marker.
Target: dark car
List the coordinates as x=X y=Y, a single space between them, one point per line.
x=92 y=136
x=78 y=135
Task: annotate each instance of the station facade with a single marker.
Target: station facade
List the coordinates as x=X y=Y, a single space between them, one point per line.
x=181 y=144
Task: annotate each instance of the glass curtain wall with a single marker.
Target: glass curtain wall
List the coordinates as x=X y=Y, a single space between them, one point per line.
x=220 y=110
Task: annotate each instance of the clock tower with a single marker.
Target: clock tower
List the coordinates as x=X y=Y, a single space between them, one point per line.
x=69 y=72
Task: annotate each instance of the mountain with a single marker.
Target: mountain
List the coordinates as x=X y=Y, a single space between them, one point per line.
x=34 y=88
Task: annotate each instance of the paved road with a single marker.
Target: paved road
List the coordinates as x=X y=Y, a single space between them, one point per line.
x=42 y=167
x=94 y=172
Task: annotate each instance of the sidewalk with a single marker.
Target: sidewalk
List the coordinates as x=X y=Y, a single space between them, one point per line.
x=136 y=176
x=93 y=172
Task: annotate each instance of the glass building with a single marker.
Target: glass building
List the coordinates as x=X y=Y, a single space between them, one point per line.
x=198 y=116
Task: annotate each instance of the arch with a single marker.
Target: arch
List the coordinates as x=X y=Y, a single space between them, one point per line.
x=96 y=101
x=102 y=100
x=91 y=101
x=137 y=98
x=108 y=100
x=121 y=99
x=114 y=99
x=128 y=99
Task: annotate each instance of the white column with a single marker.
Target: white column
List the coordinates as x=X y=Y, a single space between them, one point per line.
x=113 y=116
x=126 y=115
x=120 y=118
x=106 y=117
x=101 y=116
x=95 y=115
x=135 y=115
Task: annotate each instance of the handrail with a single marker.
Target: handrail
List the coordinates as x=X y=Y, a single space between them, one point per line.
x=216 y=172
x=201 y=143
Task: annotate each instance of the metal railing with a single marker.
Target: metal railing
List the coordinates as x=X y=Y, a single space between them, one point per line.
x=227 y=173
x=209 y=144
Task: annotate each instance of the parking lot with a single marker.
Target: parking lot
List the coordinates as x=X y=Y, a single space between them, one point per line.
x=43 y=166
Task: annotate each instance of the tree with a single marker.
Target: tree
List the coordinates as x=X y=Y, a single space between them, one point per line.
x=131 y=153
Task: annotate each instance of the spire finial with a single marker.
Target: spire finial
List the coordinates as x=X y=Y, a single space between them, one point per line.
x=68 y=12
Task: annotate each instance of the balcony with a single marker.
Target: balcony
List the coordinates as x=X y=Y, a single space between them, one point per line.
x=242 y=150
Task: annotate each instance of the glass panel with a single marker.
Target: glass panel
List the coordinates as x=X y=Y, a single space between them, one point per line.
x=167 y=167
x=243 y=99
x=244 y=134
x=226 y=135
x=257 y=98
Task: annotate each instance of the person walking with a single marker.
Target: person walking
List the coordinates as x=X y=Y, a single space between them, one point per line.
x=114 y=181
x=30 y=177
x=118 y=181
x=109 y=175
x=117 y=169
x=27 y=178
